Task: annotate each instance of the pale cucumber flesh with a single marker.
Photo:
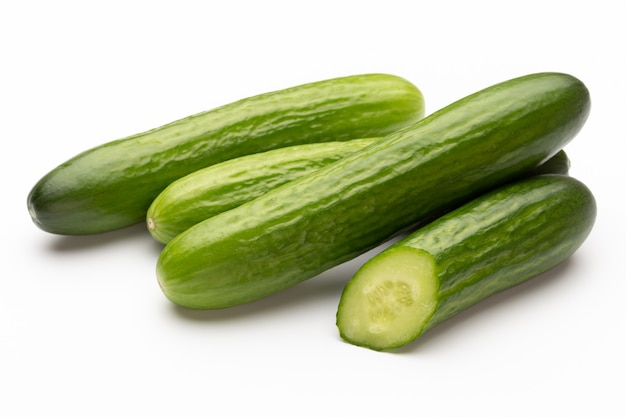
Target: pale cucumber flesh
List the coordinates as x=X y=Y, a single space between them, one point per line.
x=390 y=301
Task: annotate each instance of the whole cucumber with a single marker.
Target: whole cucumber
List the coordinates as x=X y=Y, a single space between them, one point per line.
x=340 y=211
x=111 y=186
x=220 y=187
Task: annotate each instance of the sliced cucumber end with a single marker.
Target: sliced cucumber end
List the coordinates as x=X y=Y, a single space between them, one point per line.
x=389 y=300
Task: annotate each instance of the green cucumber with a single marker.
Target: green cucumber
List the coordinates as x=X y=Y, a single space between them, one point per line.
x=112 y=186
x=220 y=187
x=340 y=211
x=558 y=164
x=493 y=243
x=212 y=190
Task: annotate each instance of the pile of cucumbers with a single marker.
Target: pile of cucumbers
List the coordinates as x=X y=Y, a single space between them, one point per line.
x=258 y=195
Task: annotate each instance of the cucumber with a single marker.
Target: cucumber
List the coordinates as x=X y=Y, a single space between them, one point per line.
x=493 y=243
x=111 y=186
x=210 y=191
x=220 y=187
x=558 y=164
x=340 y=211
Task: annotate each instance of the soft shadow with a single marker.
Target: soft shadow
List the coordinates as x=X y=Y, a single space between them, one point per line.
x=81 y=243
x=496 y=301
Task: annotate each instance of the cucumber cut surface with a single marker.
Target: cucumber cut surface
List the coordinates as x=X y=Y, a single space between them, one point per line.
x=392 y=300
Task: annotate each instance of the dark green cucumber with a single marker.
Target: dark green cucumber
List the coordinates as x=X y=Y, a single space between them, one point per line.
x=220 y=187
x=493 y=243
x=340 y=211
x=558 y=164
x=112 y=186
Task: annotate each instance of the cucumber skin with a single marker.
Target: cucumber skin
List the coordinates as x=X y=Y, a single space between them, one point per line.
x=545 y=219
x=111 y=186
x=495 y=242
x=220 y=187
x=328 y=217
x=558 y=164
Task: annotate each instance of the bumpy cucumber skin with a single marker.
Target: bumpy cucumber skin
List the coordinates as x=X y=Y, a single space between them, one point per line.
x=111 y=186
x=220 y=187
x=340 y=211
x=493 y=243
x=540 y=223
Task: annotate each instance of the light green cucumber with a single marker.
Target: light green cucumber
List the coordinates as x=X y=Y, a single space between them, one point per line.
x=340 y=211
x=111 y=186
x=495 y=242
x=210 y=191
x=220 y=187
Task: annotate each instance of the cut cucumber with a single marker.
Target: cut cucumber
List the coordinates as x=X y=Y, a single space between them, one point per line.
x=488 y=245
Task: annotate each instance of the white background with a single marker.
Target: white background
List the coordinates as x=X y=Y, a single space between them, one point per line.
x=84 y=328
